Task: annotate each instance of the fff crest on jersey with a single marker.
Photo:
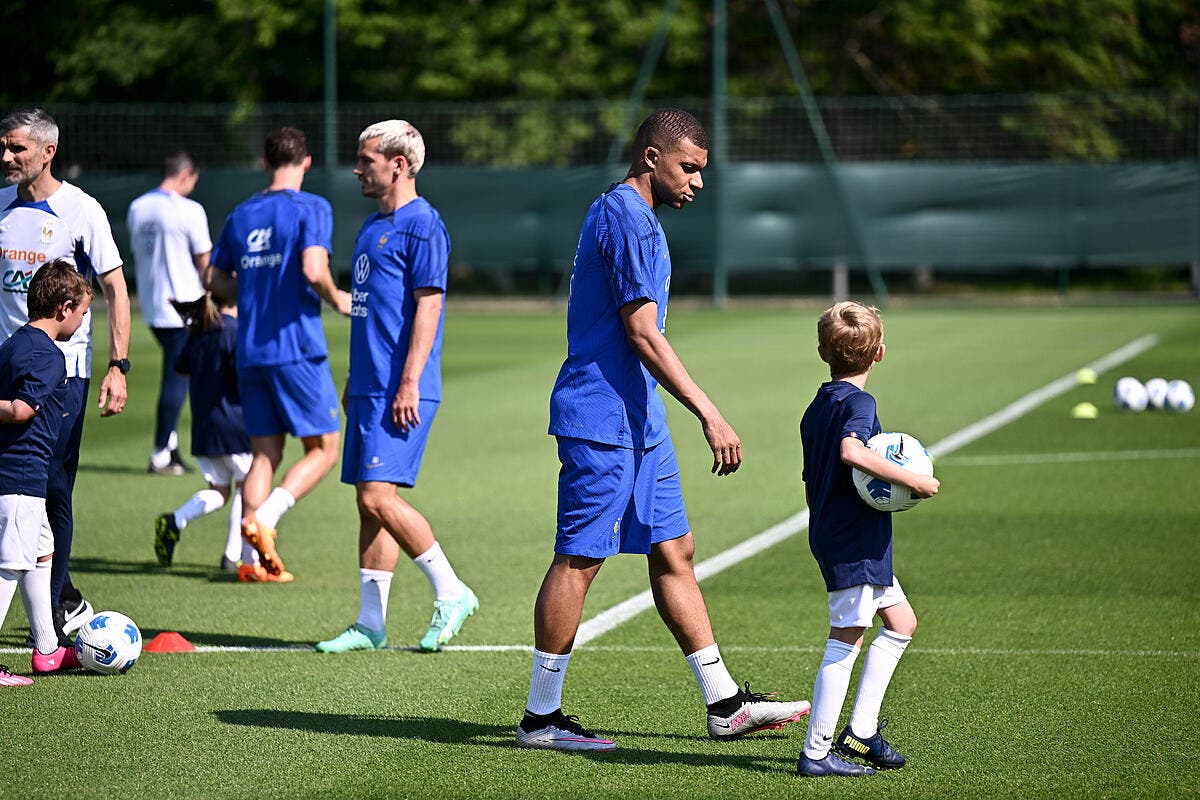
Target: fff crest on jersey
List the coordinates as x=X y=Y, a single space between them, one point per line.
x=362 y=268
x=382 y=241
x=47 y=232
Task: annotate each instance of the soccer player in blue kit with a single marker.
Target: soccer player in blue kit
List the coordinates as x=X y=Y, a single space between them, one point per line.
x=273 y=255
x=395 y=386
x=618 y=488
x=852 y=543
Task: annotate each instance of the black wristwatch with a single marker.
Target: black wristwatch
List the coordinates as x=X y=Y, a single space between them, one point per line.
x=121 y=364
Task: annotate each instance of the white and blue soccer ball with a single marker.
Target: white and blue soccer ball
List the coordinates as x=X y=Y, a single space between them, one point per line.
x=905 y=451
x=1156 y=392
x=109 y=643
x=1180 y=396
x=1130 y=395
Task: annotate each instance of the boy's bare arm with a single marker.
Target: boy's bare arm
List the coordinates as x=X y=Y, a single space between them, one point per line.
x=16 y=411
x=856 y=454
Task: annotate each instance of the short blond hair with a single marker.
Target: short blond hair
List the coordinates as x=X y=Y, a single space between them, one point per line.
x=848 y=337
x=398 y=137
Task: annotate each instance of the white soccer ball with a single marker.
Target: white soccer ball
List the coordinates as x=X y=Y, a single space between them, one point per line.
x=109 y=643
x=1130 y=395
x=903 y=450
x=1180 y=397
x=1156 y=392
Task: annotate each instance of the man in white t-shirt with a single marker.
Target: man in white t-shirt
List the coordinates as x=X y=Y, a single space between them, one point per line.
x=169 y=238
x=44 y=215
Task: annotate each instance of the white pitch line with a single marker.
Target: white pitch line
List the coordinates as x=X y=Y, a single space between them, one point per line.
x=1002 y=460
x=606 y=620
x=998 y=652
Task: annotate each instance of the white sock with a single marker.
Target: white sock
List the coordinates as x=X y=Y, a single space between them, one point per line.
x=233 y=541
x=274 y=507
x=173 y=441
x=882 y=657
x=435 y=565
x=712 y=675
x=249 y=554
x=375 y=584
x=546 y=684
x=160 y=458
x=35 y=594
x=829 y=693
x=9 y=578
x=202 y=502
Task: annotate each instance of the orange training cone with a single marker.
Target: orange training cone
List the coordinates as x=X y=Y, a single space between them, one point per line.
x=169 y=642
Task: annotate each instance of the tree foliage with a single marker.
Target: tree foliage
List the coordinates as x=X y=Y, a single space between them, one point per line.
x=271 y=50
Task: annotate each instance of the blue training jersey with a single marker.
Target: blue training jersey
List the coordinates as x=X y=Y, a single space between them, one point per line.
x=394 y=255
x=262 y=243
x=604 y=393
x=33 y=370
x=210 y=361
x=851 y=541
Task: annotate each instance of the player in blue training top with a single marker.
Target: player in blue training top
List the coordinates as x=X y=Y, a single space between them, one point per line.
x=273 y=255
x=33 y=396
x=41 y=219
x=395 y=386
x=852 y=543
x=618 y=488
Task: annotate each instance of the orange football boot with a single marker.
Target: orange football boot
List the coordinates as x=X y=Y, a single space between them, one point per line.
x=262 y=539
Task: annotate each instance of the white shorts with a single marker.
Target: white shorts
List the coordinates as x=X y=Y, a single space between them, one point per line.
x=225 y=470
x=855 y=607
x=25 y=534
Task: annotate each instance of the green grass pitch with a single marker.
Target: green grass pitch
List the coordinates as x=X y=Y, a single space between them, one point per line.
x=1058 y=651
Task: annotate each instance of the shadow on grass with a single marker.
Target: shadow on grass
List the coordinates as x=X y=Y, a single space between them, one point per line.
x=452 y=731
x=109 y=566
x=114 y=469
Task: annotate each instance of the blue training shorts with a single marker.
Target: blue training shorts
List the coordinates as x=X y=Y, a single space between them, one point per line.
x=297 y=398
x=376 y=450
x=617 y=500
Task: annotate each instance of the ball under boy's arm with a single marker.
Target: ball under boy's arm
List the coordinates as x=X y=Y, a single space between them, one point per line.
x=856 y=455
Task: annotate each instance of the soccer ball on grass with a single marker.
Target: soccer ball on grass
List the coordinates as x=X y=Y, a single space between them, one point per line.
x=903 y=450
x=109 y=643
x=1180 y=397
x=1130 y=395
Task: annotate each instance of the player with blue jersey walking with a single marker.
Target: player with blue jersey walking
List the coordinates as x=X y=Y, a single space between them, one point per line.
x=273 y=255
x=618 y=488
x=395 y=386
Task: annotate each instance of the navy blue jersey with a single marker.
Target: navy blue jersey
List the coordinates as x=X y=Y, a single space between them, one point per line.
x=604 y=393
x=851 y=541
x=33 y=370
x=218 y=427
x=395 y=254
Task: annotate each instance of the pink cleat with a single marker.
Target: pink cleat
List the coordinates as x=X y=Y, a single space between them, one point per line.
x=61 y=659
x=8 y=679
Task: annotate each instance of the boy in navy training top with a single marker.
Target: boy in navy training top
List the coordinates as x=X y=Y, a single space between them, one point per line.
x=33 y=385
x=852 y=543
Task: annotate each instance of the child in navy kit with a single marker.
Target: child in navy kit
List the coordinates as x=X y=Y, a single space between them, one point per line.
x=219 y=440
x=33 y=381
x=852 y=543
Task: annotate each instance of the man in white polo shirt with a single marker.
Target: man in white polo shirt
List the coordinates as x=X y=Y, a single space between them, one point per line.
x=42 y=218
x=168 y=235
